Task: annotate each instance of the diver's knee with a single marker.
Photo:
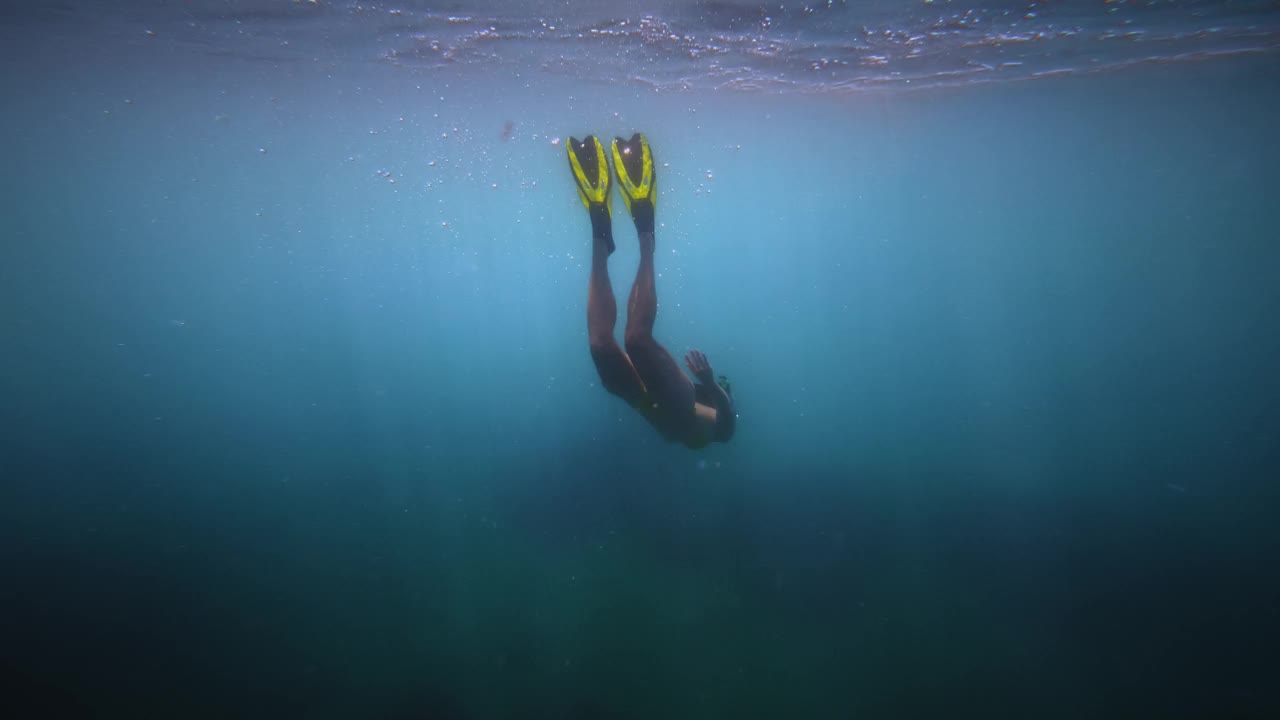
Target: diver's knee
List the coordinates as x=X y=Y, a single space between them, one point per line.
x=602 y=345
x=638 y=342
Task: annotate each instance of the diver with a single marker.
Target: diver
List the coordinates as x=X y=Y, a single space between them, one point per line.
x=645 y=375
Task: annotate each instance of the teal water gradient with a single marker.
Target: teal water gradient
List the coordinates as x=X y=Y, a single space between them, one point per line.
x=285 y=438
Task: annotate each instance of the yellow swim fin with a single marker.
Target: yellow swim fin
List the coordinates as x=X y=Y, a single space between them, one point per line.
x=590 y=171
x=634 y=164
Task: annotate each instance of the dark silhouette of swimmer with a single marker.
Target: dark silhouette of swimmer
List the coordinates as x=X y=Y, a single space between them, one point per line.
x=645 y=375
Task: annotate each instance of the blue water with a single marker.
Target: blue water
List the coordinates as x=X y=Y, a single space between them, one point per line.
x=299 y=418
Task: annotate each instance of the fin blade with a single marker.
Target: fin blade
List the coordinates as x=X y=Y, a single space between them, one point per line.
x=633 y=162
x=590 y=170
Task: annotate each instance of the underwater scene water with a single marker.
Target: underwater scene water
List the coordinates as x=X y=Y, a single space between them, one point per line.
x=299 y=418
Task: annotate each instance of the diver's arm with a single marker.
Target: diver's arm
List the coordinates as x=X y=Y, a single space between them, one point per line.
x=726 y=418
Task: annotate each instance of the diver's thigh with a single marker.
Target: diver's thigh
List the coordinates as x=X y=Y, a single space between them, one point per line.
x=617 y=374
x=661 y=374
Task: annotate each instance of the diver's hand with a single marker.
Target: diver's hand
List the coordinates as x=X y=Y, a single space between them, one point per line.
x=700 y=368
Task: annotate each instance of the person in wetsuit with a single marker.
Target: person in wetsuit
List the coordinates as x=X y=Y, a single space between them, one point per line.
x=645 y=375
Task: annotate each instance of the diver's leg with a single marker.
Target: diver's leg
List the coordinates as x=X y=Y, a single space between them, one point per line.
x=617 y=374
x=668 y=385
x=670 y=390
x=633 y=163
x=602 y=309
x=590 y=169
x=642 y=306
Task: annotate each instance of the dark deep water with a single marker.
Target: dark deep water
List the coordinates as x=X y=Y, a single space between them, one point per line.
x=284 y=439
